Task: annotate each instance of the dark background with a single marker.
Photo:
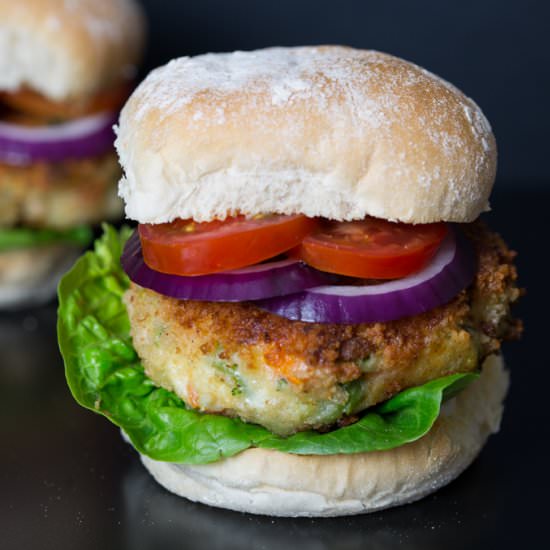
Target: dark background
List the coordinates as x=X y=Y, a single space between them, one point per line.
x=496 y=51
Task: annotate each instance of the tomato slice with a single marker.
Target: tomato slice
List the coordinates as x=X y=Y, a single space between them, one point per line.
x=184 y=247
x=371 y=248
x=34 y=104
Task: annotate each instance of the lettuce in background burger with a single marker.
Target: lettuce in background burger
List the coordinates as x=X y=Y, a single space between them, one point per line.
x=66 y=68
x=307 y=321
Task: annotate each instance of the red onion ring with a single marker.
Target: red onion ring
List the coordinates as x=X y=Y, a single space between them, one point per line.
x=251 y=283
x=81 y=138
x=451 y=270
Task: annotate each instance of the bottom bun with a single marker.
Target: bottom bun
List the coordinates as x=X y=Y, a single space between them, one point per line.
x=29 y=276
x=280 y=484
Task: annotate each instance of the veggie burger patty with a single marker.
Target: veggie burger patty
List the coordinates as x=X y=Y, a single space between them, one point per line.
x=60 y=195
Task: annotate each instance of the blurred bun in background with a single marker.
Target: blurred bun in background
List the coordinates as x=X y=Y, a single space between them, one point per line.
x=66 y=68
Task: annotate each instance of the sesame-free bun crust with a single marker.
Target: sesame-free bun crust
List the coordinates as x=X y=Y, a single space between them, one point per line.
x=68 y=48
x=280 y=484
x=324 y=131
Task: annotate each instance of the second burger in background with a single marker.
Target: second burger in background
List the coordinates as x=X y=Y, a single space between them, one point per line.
x=66 y=68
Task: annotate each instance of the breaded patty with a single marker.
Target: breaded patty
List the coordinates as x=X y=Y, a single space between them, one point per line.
x=289 y=376
x=60 y=195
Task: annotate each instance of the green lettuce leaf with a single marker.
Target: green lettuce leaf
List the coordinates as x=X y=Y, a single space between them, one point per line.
x=26 y=237
x=105 y=375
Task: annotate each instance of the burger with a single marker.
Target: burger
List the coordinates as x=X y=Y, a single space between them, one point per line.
x=307 y=319
x=66 y=68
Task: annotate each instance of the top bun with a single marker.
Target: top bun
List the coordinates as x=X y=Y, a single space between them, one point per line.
x=324 y=131
x=68 y=49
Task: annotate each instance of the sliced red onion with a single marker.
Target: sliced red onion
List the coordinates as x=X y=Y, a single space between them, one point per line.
x=451 y=270
x=81 y=138
x=251 y=283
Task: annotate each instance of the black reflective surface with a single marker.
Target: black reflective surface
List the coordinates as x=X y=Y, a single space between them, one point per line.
x=67 y=480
